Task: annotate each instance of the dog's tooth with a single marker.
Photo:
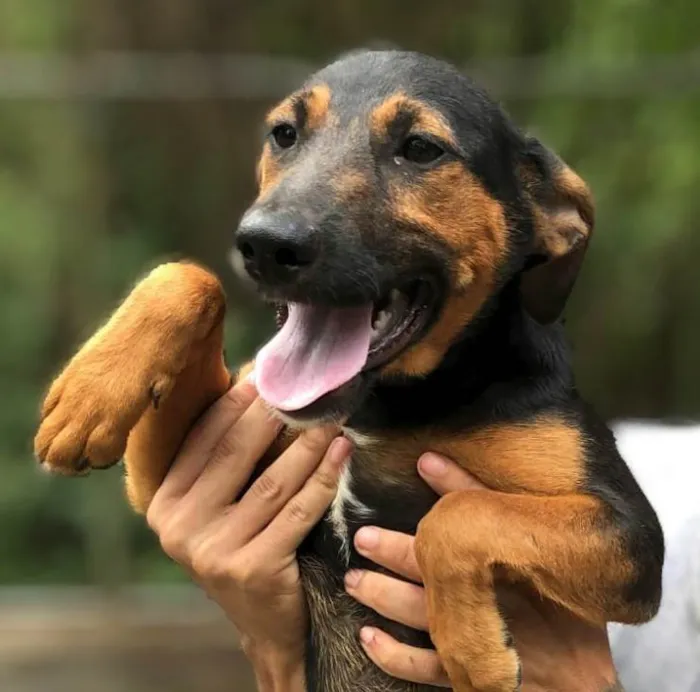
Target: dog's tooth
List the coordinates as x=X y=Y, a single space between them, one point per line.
x=382 y=320
x=395 y=295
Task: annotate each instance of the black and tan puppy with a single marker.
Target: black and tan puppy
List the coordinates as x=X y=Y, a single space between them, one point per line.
x=420 y=249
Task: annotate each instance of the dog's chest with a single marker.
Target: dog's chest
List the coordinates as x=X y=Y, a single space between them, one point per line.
x=369 y=493
x=347 y=509
x=366 y=497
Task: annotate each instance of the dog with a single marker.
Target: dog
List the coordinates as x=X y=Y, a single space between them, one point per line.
x=420 y=250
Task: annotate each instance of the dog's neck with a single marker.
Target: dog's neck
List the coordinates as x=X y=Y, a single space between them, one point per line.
x=502 y=356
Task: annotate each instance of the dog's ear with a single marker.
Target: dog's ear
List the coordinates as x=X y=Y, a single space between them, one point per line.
x=563 y=216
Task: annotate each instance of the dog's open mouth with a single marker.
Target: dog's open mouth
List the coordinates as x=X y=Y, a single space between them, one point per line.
x=320 y=348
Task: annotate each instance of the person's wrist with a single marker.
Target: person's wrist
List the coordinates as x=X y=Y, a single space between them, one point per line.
x=594 y=665
x=277 y=668
x=585 y=671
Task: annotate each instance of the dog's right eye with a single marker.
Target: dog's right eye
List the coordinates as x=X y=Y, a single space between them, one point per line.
x=419 y=150
x=284 y=135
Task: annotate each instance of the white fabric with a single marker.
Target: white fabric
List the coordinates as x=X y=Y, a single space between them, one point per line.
x=665 y=653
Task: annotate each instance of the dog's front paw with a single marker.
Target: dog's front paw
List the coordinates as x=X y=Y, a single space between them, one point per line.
x=128 y=365
x=472 y=640
x=471 y=668
x=91 y=408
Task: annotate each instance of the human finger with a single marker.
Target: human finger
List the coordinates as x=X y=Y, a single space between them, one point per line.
x=304 y=510
x=401 y=661
x=277 y=485
x=390 y=549
x=393 y=598
x=444 y=476
x=201 y=441
x=233 y=459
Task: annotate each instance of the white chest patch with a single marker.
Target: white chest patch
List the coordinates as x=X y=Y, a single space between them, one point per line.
x=344 y=502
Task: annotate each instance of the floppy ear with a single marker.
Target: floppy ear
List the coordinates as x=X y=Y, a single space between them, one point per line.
x=563 y=216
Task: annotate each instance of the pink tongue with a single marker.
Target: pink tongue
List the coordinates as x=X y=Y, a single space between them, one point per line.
x=317 y=350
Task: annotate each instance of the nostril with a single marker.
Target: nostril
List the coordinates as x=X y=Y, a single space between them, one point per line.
x=287 y=257
x=247 y=250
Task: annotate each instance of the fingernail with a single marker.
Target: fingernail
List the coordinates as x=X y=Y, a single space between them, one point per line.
x=352 y=578
x=366 y=539
x=367 y=635
x=432 y=465
x=340 y=451
x=250 y=377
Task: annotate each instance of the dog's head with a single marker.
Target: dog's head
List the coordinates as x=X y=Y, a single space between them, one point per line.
x=395 y=199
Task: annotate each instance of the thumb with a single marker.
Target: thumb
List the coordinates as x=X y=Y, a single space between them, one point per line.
x=444 y=476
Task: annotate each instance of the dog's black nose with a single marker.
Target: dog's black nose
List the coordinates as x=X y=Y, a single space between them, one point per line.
x=276 y=248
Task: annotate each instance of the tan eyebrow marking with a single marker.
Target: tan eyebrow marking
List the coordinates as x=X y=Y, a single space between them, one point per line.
x=284 y=111
x=311 y=107
x=318 y=102
x=424 y=118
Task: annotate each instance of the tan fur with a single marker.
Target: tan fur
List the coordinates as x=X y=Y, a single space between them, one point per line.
x=351 y=184
x=552 y=542
x=563 y=213
x=426 y=119
x=268 y=170
x=453 y=205
x=318 y=103
x=544 y=456
x=163 y=347
x=282 y=113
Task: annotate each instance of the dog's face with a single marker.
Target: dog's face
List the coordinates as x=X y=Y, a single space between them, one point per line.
x=395 y=198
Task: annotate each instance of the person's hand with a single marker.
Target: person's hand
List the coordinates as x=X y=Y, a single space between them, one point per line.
x=243 y=553
x=558 y=651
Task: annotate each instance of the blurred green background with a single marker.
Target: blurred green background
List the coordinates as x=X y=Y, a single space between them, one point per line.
x=128 y=135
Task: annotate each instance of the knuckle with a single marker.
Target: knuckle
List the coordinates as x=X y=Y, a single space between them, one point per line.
x=153 y=515
x=174 y=538
x=315 y=441
x=237 y=399
x=326 y=479
x=208 y=564
x=174 y=545
x=230 y=445
x=267 y=487
x=298 y=513
x=245 y=574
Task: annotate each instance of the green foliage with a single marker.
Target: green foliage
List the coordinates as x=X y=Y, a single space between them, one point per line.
x=93 y=194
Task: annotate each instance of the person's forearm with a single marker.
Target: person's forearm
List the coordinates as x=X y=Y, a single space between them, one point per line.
x=277 y=673
x=280 y=680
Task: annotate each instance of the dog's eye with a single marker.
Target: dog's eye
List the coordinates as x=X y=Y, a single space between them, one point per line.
x=284 y=135
x=419 y=150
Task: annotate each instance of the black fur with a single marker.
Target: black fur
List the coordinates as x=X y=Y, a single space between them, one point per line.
x=504 y=367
